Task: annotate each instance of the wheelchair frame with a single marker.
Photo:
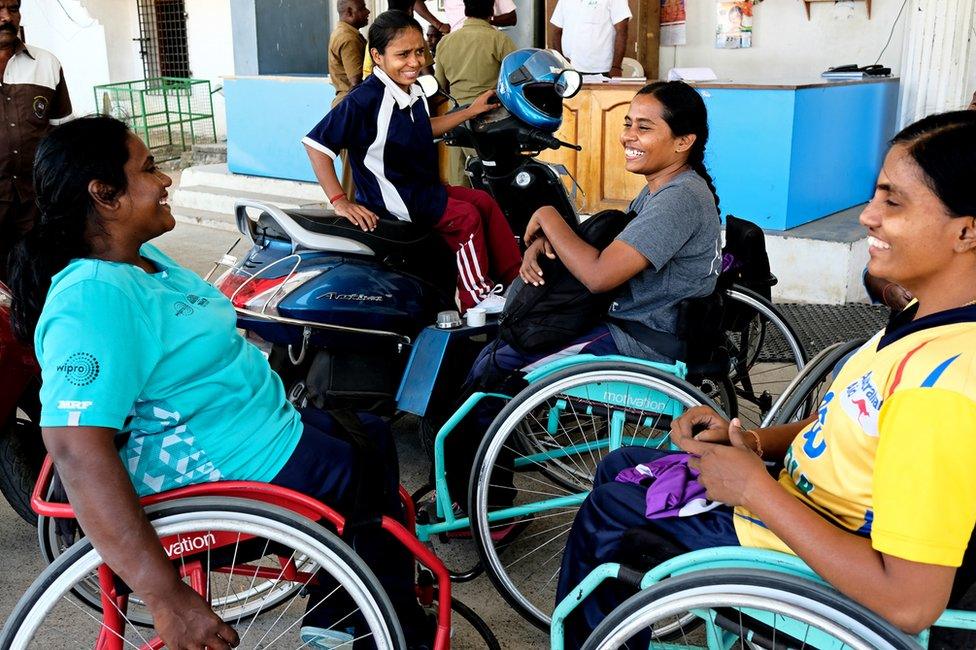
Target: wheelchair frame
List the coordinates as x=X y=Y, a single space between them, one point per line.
x=262 y=493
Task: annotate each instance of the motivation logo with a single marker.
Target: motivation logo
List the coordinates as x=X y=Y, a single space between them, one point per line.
x=80 y=369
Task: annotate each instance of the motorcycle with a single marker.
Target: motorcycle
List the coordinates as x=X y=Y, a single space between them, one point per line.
x=347 y=317
x=21 y=446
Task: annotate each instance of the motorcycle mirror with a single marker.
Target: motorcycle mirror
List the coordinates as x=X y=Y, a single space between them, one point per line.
x=429 y=85
x=568 y=83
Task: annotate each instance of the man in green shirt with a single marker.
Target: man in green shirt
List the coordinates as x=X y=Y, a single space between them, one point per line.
x=467 y=65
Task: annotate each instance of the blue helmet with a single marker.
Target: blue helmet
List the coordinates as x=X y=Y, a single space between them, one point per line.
x=532 y=84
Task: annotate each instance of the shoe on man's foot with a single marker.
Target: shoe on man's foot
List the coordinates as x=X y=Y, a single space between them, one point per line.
x=319 y=637
x=494 y=301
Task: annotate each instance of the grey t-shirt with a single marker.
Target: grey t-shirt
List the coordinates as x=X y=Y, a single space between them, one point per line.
x=677 y=229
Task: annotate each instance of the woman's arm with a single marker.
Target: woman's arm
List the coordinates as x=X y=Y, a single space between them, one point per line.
x=736 y=476
x=108 y=510
x=444 y=123
x=324 y=168
x=599 y=271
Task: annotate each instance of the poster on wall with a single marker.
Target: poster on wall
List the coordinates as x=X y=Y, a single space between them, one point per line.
x=734 y=28
x=673 y=22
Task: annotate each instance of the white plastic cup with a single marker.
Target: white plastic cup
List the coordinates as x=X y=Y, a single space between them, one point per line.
x=475 y=317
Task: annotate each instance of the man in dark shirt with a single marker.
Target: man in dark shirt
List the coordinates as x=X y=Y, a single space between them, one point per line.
x=33 y=98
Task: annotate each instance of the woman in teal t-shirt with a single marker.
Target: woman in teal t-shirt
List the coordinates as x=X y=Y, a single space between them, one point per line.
x=148 y=386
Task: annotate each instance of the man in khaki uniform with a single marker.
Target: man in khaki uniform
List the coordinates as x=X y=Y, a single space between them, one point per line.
x=347 y=48
x=467 y=65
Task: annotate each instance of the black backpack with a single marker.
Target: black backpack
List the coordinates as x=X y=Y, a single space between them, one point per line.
x=528 y=324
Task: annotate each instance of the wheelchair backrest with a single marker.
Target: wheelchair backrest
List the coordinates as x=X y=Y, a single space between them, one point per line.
x=744 y=258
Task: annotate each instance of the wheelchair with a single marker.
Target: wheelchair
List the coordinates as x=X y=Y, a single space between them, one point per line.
x=743 y=597
x=252 y=550
x=536 y=461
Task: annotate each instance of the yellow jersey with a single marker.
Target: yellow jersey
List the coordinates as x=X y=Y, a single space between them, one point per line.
x=892 y=453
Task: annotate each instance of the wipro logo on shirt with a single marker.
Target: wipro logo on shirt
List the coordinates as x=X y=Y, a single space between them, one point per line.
x=80 y=369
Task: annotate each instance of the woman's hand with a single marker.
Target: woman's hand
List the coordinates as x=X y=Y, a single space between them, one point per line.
x=711 y=426
x=184 y=620
x=531 y=272
x=734 y=474
x=534 y=229
x=483 y=103
x=362 y=217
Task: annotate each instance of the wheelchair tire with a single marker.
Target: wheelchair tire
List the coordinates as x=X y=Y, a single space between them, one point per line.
x=506 y=437
x=87 y=592
x=803 y=394
x=765 y=353
x=747 y=594
x=46 y=608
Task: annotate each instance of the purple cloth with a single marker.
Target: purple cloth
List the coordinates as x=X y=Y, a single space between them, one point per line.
x=673 y=487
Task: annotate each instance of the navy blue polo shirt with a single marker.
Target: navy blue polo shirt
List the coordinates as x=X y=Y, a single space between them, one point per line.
x=391 y=149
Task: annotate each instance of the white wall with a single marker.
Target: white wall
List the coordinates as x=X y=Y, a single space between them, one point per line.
x=77 y=39
x=787 y=46
x=211 y=48
x=94 y=41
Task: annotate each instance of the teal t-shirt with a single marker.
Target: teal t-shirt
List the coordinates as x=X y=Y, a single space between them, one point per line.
x=158 y=357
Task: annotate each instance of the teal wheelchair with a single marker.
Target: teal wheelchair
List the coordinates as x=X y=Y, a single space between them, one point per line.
x=536 y=462
x=738 y=597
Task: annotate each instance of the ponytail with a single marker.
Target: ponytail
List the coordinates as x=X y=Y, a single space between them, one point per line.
x=685 y=114
x=67 y=161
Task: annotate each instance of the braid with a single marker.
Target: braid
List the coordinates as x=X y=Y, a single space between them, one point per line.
x=697 y=161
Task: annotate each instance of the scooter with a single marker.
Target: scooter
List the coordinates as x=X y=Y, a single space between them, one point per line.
x=365 y=320
x=21 y=447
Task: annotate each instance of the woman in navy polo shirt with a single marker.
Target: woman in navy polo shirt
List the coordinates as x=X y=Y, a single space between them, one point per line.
x=385 y=125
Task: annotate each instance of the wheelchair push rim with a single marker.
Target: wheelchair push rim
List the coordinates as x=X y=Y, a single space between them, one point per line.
x=765 y=354
x=48 y=610
x=747 y=608
x=544 y=507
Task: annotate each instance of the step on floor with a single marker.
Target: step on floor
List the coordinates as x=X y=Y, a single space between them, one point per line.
x=219 y=199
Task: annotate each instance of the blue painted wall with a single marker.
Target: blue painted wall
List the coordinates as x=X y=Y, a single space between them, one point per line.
x=782 y=158
x=266 y=120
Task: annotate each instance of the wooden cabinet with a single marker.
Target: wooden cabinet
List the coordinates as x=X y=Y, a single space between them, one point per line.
x=594 y=119
x=643 y=33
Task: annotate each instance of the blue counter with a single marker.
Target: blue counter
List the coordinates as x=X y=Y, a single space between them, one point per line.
x=786 y=154
x=267 y=116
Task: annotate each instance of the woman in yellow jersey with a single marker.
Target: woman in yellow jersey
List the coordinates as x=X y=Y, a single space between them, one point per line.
x=878 y=494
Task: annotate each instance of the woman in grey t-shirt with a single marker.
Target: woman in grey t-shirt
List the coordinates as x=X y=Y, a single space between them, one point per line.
x=671 y=250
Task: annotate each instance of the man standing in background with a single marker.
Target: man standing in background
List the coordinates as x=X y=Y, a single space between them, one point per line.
x=502 y=15
x=466 y=65
x=347 y=49
x=33 y=99
x=592 y=34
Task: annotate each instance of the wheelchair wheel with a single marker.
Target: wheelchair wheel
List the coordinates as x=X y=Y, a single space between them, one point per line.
x=747 y=608
x=573 y=417
x=252 y=599
x=225 y=546
x=764 y=350
x=807 y=390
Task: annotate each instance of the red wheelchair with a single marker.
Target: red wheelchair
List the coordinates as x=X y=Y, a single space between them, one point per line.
x=250 y=549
